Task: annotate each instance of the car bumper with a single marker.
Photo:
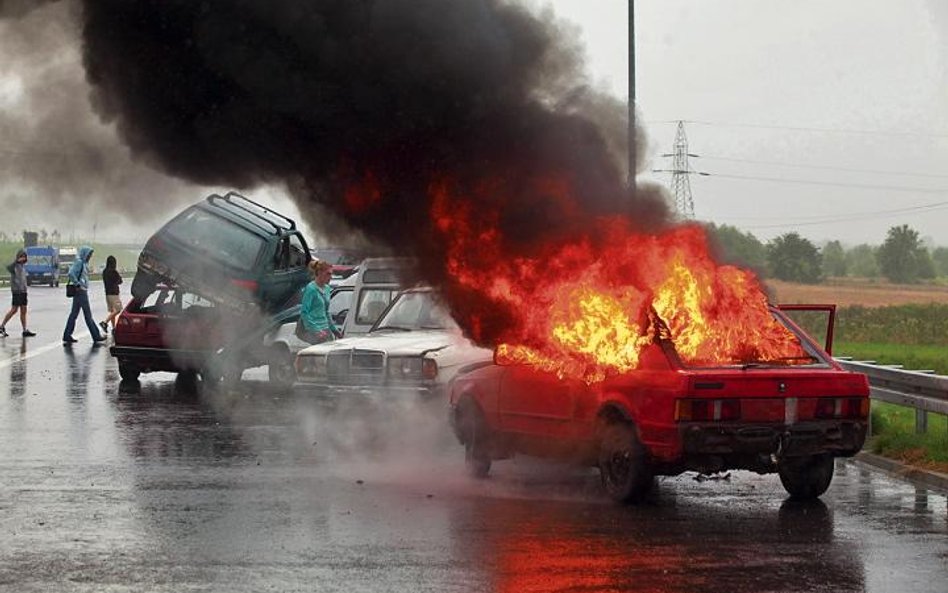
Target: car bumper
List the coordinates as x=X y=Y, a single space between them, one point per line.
x=160 y=359
x=805 y=438
x=380 y=392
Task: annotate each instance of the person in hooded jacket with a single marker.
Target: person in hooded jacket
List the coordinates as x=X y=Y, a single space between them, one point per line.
x=79 y=277
x=18 y=288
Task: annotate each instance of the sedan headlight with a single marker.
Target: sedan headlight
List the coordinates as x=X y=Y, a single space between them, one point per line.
x=407 y=367
x=311 y=366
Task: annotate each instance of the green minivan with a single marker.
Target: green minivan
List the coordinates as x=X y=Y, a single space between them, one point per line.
x=231 y=250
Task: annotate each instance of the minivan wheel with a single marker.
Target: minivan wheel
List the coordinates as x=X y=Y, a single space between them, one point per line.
x=622 y=463
x=475 y=435
x=223 y=377
x=280 y=369
x=806 y=477
x=128 y=372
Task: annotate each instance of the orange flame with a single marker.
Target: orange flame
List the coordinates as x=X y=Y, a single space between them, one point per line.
x=582 y=308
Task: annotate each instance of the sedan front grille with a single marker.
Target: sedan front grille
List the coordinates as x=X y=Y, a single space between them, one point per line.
x=356 y=367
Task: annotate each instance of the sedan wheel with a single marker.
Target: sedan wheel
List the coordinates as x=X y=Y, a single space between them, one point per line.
x=806 y=478
x=128 y=372
x=474 y=431
x=281 y=371
x=622 y=463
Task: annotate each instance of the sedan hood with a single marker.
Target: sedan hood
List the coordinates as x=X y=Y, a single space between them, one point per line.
x=394 y=343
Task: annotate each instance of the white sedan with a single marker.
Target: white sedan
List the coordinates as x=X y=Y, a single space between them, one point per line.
x=415 y=347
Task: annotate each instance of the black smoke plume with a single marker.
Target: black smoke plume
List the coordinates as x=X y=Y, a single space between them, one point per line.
x=361 y=106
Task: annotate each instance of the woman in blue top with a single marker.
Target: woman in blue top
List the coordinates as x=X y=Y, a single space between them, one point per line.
x=315 y=321
x=79 y=276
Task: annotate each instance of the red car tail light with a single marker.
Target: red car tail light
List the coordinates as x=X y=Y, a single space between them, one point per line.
x=842 y=407
x=727 y=409
x=707 y=410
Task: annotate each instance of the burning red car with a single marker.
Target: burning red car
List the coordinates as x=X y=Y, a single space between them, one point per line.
x=791 y=414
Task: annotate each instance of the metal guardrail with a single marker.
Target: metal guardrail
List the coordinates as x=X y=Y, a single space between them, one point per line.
x=922 y=390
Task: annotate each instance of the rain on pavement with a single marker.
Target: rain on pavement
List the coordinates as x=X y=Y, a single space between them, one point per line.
x=162 y=486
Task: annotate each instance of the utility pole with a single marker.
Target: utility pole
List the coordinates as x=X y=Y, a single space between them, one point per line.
x=632 y=147
x=681 y=169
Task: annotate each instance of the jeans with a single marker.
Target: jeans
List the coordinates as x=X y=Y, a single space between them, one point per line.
x=81 y=301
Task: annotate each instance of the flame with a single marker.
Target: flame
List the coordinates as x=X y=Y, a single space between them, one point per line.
x=363 y=194
x=586 y=307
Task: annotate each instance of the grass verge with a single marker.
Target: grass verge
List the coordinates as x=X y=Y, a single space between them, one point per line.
x=894 y=436
x=914 y=357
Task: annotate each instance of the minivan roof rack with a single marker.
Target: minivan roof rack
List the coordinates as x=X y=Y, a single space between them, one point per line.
x=244 y=203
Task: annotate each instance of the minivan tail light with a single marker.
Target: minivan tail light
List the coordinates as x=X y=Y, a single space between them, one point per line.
x=245 y=284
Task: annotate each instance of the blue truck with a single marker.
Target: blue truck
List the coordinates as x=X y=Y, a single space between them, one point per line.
x=42 y=265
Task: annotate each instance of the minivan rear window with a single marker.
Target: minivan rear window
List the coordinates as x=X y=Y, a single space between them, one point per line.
x=382 y=276
x=216 y=238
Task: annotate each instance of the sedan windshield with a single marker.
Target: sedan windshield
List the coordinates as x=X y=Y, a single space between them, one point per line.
x=790 y=350
x=415 y=311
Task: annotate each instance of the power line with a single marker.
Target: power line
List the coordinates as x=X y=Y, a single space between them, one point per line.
x=806 y=128
x=921 y=190
x=824 y=167
x=850 y=216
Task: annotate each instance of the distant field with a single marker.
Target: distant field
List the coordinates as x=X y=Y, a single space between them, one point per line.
x=865 y=292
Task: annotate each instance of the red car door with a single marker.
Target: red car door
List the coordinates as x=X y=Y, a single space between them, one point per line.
x=537 y=403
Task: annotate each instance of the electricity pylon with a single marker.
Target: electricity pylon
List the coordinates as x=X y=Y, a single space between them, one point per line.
x=681 y=169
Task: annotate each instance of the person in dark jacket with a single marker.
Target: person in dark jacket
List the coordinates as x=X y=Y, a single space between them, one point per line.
x=79 y=276
x=18 y=288
x=111 y=278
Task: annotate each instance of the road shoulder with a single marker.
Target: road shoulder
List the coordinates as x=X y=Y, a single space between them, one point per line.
x=922 y=477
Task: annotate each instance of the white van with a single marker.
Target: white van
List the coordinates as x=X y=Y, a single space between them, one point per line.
x=379 y=280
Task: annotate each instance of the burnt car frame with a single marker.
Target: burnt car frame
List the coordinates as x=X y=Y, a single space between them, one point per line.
x=665 y=417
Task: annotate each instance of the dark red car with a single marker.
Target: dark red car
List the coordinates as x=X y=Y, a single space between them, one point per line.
x=792 y=417
x=170 y=329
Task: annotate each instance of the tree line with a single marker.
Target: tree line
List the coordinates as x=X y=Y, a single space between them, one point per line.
x=902 y=258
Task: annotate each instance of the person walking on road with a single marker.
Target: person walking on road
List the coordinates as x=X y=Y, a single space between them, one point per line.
x=111 y=278
x=18 y=289
x=79 y=277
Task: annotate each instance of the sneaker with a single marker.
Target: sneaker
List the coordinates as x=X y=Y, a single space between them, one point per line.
x=99 y=340
x=3 y=333
x=104 y=326
x=28 y=334
x=70 y=340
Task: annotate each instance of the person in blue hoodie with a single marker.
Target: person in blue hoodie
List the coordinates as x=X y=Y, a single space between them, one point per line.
x=79 y=277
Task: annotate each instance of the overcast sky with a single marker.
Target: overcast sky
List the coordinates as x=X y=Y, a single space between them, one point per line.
x=825 y=118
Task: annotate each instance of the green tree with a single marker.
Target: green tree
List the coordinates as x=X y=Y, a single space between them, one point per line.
x=738 y=248
x=834 y=259
x=940 y=261
x=795 y=259
x=861 y=261
x=903 y=258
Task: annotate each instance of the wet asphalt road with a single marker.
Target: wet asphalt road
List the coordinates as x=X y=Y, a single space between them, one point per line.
x=162 y=486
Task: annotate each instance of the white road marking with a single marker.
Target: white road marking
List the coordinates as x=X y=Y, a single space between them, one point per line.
x=51 y=346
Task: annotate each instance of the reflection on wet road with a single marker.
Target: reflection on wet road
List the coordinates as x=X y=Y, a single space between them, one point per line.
x=160 y=486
